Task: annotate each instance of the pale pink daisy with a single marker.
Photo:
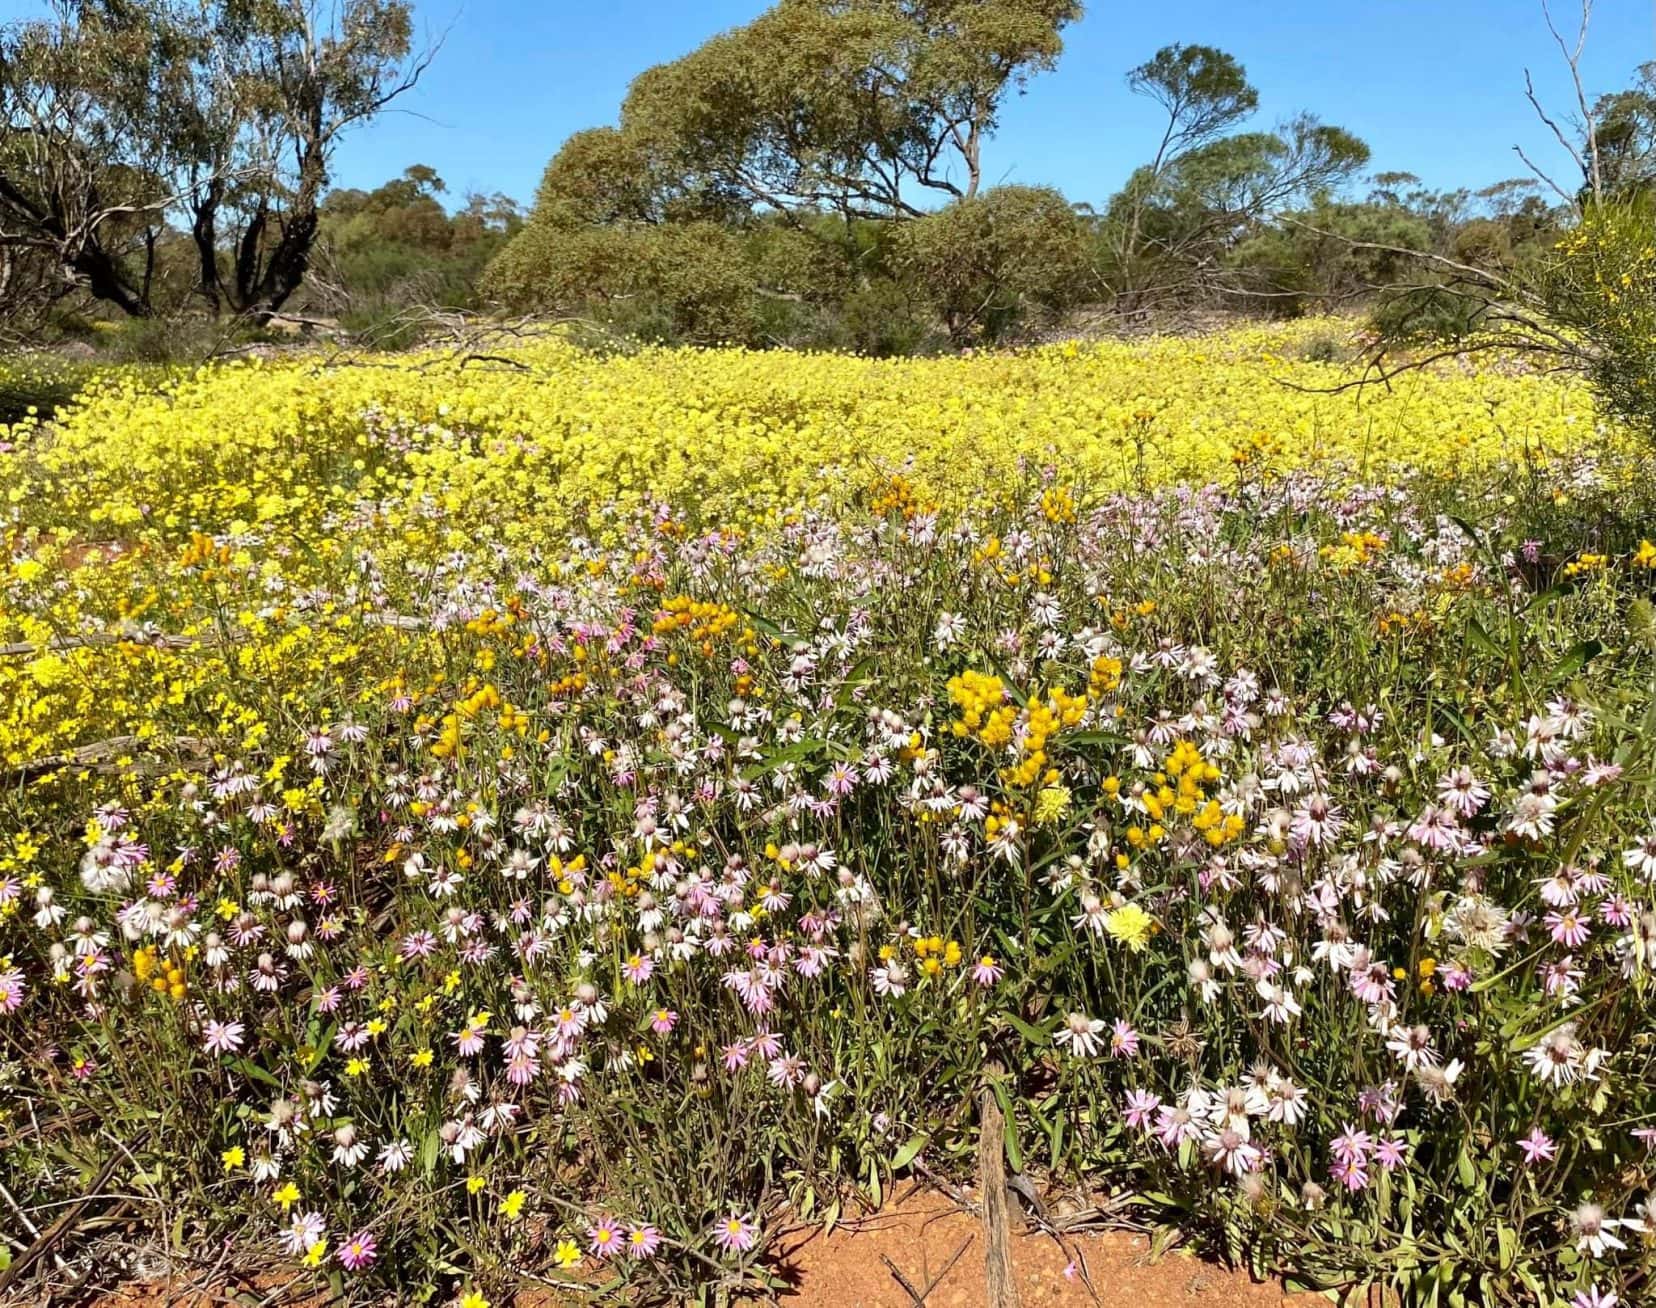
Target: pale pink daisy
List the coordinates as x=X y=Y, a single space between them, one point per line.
x=1537 y=1147
x=604 y=1238
x=222 y=1037
x=735 y=1234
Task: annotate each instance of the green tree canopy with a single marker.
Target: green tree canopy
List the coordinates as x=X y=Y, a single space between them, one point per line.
x=858 y=106
x=985 y=262
x=1209 y=186
x=227 y=110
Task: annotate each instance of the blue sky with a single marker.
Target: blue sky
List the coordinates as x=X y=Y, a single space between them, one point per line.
x=1435 y=86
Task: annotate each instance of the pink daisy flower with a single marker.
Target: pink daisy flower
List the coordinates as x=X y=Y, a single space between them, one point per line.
x=604 y=1238
x=358 y=1253
x=1537 y=1147
x=735 y=1234
x=222 y=1037
x=643 y=1241
x=12 y=991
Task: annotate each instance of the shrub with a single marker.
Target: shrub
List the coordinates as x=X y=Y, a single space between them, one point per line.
x=1600 y=286
x=987 y=263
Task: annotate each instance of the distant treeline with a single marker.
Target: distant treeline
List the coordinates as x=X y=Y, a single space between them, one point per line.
x=813 y=178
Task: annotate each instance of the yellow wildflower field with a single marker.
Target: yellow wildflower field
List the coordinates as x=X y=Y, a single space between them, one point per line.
x=557 y=438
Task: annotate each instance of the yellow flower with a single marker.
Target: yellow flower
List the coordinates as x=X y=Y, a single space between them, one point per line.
x=512 y=1205
x=233 y=1157
x=473 y=1299
x=420 y=1058
x=474 y=1184
x=314 y=1255
x=1130 y=925
x=1051 y=805
x=567 y=1254
x=287 y=1195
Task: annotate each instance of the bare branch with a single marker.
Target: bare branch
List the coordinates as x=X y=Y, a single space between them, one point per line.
x=1573 y=59
x=1557 y=189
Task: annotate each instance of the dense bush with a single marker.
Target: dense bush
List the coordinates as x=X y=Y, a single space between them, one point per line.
x=1600 y=287
x=985 y=265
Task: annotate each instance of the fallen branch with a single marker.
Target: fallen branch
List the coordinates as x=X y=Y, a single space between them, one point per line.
x=919 y=1297
x=46 y=1241
x=100 y=753
x=166 y=640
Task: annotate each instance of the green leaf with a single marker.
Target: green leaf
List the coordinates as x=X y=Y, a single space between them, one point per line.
x=792 y=754
x=909 y=1152
x=1033 y=1034
x=858 y=676
x=1579 y=657
x=1482 y=639
x=764 y=626
x=1014 y=1152
x=319 y=1049
x=1551 y=593
x=253 y=1072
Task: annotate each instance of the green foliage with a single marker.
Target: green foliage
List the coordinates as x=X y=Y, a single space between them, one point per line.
x=383 y=256
x=1624 y=134
x=1209 y=188
x=844 y=105
x=122 y=118
x=682 y=282
x=986 y=263
x=1326 y=253
x=1430 y=313
x=1204 y=91
x=1600 y=285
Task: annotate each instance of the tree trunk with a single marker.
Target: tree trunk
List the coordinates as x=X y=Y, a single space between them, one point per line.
x=204 y=232
x=98 y=273
x=262 y=293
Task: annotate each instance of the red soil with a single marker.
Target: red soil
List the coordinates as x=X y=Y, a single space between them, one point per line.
x=921 y=1235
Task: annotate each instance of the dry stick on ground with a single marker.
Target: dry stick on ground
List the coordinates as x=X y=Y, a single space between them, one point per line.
x=961 y=1200
x=997 y=1258
x=46 y=1241
x=101 y=755
x=908 y=1285
x=920 y=1296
